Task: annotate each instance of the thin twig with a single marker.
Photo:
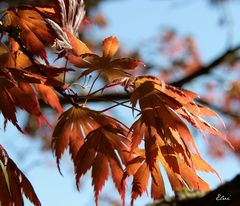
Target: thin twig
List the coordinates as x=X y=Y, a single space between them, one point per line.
x=117 y=104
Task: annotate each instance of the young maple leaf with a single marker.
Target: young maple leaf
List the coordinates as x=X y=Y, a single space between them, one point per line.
x=105 y=64
x=71 y=14
x=34 y=31
x=101 y=151
x=13 y=183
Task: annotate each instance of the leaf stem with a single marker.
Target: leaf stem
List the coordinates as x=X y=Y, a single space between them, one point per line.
x=90 y=90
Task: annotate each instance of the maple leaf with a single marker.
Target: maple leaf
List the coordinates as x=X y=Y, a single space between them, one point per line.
x=24 y=97
x=34 y=31
x=72 y=127
x=16 y=88
x=93 y=140
x=13 y=59
x=14 y=94
x=13 y=183
x=37 y=24
x=105 y=64
x=101 y=150
x=165 y=134
x=138 y=168
x=14 y=66
x=154 y=94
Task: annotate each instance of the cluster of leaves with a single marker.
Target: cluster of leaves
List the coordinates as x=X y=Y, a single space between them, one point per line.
x=95 y=140
x=184 y=61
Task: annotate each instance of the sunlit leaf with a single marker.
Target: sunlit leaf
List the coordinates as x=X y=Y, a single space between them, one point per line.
x=106 y=65
x=166 y=137
x=34 y=31
x=101 y=150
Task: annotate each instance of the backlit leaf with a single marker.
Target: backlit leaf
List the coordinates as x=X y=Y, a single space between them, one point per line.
x=106 y=65
x=101 y=150
x=71 y=129
x=34 y=30
x=166 y=137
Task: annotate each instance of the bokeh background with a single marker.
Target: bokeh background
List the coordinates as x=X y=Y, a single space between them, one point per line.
x=175 y=38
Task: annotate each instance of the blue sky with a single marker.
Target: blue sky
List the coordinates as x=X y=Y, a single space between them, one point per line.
x=132 y=21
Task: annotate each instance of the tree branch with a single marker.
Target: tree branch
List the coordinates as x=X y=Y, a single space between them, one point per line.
x=206 y=69
x=229 y=190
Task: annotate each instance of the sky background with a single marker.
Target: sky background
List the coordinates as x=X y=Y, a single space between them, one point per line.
x=132 y=21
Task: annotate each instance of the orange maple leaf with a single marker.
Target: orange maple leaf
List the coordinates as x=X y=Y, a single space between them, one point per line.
x=73 y=126
x=16 y=85
x=71 y=129
x=165 y=134
x=105 y=64
x=101 y=150
x=94 y=140
x=33 y=28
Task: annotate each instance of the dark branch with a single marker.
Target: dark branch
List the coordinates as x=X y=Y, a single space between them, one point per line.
x=229 y=190
x=206 y=69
